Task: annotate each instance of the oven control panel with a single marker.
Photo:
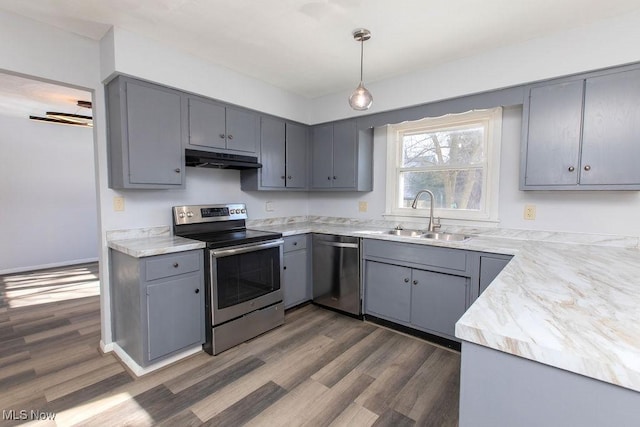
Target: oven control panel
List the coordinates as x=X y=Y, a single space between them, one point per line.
x=194 y=214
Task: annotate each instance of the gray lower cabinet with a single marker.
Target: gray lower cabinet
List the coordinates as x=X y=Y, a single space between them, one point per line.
x=423 y=287
x=490 y=267
x=581 y=133
x=284 y=157
x=215 y=126
x=144 y=135
x=158 y=304
x=296 y=281
x=438 y=301
x=342 y=157
x=387 y=291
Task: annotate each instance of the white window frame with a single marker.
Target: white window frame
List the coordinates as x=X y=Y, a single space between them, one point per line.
x=492 y=120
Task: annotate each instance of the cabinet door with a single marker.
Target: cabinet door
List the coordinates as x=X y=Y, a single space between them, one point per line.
x=387 y=291
x=553 y=137
x=296 y=157
x=175 y=314
x=489 y=268
x=322 y=156
x=206 y=124
x=242 y=130
x=154 y=129
x=438 y=300
x=611 y=136
x=344 y=154
x=295 y=278
x=272 y=146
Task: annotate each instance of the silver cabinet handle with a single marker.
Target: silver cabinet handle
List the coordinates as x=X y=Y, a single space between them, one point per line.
x=329 y=178
x=221 y=135
x=289 y=177
x=415 y=282
x=197 y=291
x=571 y=169
x=587 y=168
x=406 y=280
x=177 y=170
x=176 y=265
x=282 y=177
x=335 y=177
x=295 y=243
x=230 y=136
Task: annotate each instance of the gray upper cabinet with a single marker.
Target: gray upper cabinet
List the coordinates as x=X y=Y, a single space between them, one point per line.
x=555 y=121
x=284 y=157
x=611 y=135
x=144 y=135
x=582 y=133
x=342 y=157
x=216 y=127
x=297 y=161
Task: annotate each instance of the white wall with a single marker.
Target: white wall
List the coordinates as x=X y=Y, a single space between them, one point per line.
x=604 y=44
x=598 y=212
x=47 y=190
x=125 y=52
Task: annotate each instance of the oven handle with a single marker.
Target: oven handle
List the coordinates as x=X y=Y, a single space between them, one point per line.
x=246 y=248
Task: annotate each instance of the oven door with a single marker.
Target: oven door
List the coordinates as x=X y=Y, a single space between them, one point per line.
x=244 y=278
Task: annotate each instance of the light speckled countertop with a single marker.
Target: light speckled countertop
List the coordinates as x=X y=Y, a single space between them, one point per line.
x=574 y=306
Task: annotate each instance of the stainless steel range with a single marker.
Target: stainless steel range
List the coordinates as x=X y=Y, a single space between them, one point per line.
x=243 y=269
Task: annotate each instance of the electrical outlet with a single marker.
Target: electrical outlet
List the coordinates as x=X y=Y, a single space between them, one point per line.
x=268 y=206
x=362 y=206
x=530 y=212
x=118 y=203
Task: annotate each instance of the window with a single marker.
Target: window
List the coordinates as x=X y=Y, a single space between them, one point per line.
x=455 y=156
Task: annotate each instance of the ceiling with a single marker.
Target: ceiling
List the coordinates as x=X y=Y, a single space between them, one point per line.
x=22 y=97
x=306 y=47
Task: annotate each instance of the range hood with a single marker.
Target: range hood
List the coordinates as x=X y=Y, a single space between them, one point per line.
x=206 y=159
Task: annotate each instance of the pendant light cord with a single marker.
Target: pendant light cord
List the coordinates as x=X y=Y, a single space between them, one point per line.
x=361 y=56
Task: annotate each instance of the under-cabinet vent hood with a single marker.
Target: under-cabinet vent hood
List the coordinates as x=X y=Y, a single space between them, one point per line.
x=206 y=159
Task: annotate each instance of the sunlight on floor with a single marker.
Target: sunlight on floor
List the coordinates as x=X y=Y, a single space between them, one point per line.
x=31 y=288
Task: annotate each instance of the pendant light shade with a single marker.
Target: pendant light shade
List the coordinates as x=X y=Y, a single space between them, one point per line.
x=361 y=99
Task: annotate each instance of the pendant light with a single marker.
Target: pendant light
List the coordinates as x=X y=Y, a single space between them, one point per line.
x=361 y=98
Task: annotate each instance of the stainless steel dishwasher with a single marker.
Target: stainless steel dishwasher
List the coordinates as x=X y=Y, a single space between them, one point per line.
x=336 y=272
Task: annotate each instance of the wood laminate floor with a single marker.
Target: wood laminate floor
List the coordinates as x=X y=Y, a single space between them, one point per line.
x=319 y=369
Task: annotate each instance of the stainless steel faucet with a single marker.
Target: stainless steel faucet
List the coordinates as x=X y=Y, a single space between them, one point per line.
x=414 y=205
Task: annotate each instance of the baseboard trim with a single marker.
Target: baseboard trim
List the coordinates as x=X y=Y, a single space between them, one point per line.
x=138 y=370
x=46 y=266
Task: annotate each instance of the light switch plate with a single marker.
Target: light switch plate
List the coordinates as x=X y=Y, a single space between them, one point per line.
x=362 y=206
x=268 y=206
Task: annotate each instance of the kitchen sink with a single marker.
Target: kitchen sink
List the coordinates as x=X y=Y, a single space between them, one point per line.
x=449 y=237
x=406 y=233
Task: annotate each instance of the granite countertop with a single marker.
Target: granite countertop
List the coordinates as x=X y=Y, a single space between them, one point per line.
x=574 y=306
x=155 y=245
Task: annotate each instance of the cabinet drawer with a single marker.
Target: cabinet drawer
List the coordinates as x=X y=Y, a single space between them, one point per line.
x=446 y=258
x=171 y=265
x=294 y=243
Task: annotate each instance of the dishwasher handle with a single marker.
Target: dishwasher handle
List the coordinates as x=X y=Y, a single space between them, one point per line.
x=339 y=244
